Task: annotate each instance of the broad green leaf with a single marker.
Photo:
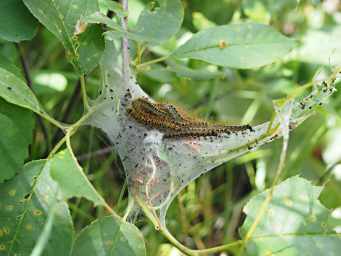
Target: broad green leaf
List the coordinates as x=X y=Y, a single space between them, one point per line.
x=156 y=24
x=63 y=19
x=16 y=22
x=26 y=201
x=69 y=175
x=14 y=90
x=245 y=45
x=91 y=47
x=321 y=47
x=109 y=236
x=16 y=126
x=295 y=222
x=6 y=64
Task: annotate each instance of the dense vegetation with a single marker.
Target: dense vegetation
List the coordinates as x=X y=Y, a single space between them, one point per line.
x=63 y=164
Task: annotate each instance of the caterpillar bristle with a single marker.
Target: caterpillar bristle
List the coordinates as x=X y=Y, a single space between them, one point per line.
x=176 y=123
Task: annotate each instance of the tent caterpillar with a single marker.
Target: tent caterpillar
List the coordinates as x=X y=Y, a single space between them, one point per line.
x=175 y=123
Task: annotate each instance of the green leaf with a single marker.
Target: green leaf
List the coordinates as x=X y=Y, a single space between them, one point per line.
x=156 y=24
x=238 y=45
x=91 y=47
x=16 y=22
x=8 y=65
x=16 y=125
x=15 y=91
x=26 y=202
x=294 y=222
x=69 y=175
x=62 y=18
x=109 y=236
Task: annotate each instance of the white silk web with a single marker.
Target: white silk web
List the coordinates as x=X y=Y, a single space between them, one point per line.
x=158 y=168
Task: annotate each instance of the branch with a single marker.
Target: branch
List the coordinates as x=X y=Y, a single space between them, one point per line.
x=125 y=43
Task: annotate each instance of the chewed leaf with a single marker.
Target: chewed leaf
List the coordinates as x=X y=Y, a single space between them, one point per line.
x=295 y=222
x=160 y=157
x=238 y=45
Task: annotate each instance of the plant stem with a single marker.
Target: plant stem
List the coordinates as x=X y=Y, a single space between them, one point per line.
x=148 y=63
x=84 y=95
x=125 y=43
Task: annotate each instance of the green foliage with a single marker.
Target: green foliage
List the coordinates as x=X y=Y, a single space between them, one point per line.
x=294 y=222
x=17 y=126
x=109 y=236
x=16 y=22
x=62 y=18
x=158 y=23
x=237 y=45
x=222 y=59
x=69 y=175
x=26 y=202
x=14 y=90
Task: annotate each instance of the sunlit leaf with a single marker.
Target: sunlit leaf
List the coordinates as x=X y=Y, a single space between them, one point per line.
x=14 y=90
x=16 y=125
x=245 y=45
x=69 y=175
x=109 y=236
x=26 y=201
x=295 y=222
x=16 y=22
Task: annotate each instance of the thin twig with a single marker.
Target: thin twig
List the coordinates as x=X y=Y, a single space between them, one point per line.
x=28 y=79
x=84 y=95
x=99 y=152
x=125 y=43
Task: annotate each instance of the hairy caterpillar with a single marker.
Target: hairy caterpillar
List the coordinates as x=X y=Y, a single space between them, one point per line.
x=174 y=122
